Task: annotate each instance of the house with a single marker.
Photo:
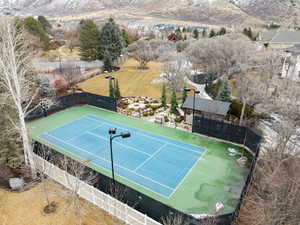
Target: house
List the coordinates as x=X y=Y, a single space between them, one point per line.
x=83 y=65
x=291 y=65
x=280 y=38
x=204 y=107
x=174 y=37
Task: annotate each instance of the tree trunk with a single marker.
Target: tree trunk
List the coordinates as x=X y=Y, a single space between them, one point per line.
x=242 y=113
x=25 y=140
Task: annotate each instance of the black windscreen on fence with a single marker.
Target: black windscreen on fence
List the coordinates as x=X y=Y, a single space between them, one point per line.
x=67 y=101
x=102 y=102
x=252 y=140
x=226 y=131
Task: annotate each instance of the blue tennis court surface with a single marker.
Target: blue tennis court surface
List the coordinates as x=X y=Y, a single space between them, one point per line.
x=152 y=161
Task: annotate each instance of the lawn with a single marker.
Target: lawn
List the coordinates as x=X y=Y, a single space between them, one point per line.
x=132 y=81
x=26 y=208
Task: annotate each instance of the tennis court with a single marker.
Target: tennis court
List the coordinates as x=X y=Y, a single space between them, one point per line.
x=154 y=160
x=157 y=163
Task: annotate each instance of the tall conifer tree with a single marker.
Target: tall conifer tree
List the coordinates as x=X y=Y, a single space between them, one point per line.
x=111 y=41
x=89 y=37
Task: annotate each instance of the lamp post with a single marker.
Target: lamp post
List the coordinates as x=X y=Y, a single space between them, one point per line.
x=114 y=87
x=112 y=132
x=194 y=96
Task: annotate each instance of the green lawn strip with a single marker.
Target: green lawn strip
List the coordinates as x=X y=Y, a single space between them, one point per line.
x=215 y=178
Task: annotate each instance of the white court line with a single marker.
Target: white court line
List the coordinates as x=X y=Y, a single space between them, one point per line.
x=102 y=121
x=109 y=162
x=186 y=175
x=124 y=145
x=155 y=153
x=163 y=141
x=131 y=181
x=85 y=131
x=68 y=124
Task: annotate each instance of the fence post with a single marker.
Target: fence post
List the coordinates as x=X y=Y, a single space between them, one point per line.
x=126 y=212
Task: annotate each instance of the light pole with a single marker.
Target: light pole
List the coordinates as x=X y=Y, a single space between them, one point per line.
x=195 y=92
x=114 y=88
x=112 y=132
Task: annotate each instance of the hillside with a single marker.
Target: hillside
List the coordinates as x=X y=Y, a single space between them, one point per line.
x=227 y=12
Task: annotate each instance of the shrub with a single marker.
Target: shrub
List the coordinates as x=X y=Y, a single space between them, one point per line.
x=236 y=110
x=154 y=107
x=145 y=114
x=151 y=113
x=178 y=119
x=166 y=119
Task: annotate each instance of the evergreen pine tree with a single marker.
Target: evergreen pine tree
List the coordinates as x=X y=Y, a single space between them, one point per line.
x=36 y=29
x=117 y=90
x=89 y=37
x=196 y=34
x=45 y=23
x=164 y=97
x=212 y=33
x=174 y=103
x=11 y=151
x=111 y=89
x=224 y=92
x=111 y=41
x=211 y=75
x=107 y=62
x=184 y=95
x=222 y=31
x=126 y=38
x=178 y=30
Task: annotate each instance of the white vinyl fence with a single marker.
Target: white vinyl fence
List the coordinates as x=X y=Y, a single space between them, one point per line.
x=102 y=200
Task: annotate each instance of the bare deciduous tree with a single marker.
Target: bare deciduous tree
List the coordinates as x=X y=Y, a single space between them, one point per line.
x=228 y=55
x=44 y=152
x=142 y=52
x=269 y=63
x=250 y=89
x=17 y=80
x=145 y=51
x=79 y=172
x=72 y=38
x=174 y=219
x=175 y=72
x=274 y=195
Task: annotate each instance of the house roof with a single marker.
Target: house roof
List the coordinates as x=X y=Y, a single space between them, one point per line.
x=294 y=49
x=268 y=35
x=281 y=36
x=205 y=105
x=286 y=37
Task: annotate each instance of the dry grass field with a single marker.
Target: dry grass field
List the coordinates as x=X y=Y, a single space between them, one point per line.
x=132 y=81
x=26 y=208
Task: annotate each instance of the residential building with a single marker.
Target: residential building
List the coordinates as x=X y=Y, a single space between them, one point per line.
x=291 y=65
x=204 y=107
x=280 y=38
